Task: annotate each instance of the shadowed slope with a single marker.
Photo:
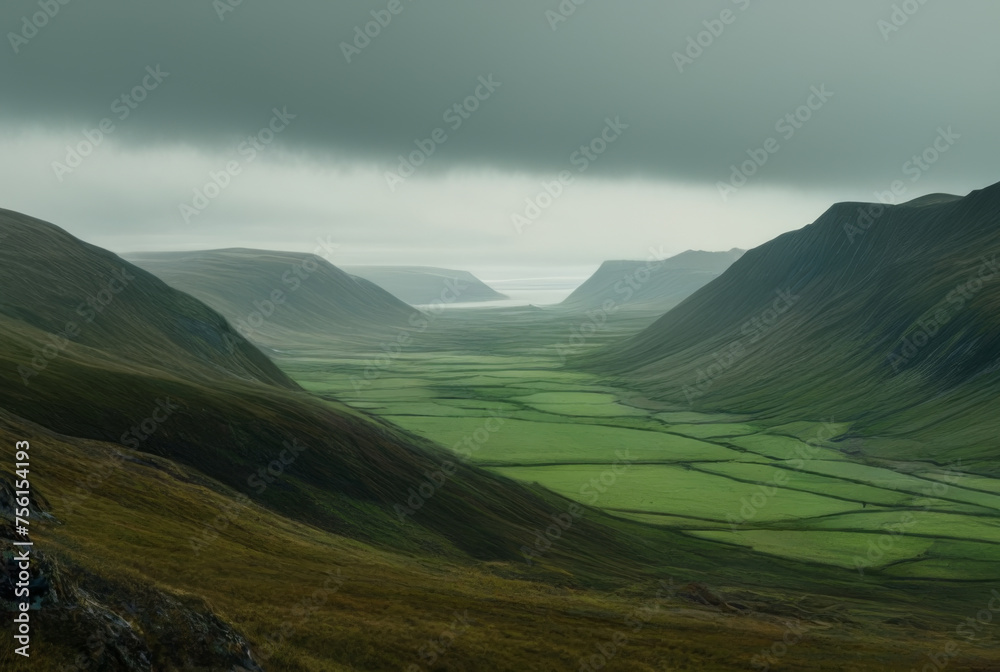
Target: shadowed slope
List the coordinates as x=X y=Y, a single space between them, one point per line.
x=312 y=460
x=272 y=591
x=83 y=294
x=886 y=315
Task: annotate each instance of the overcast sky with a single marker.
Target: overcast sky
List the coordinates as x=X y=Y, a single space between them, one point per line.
x=666 y=97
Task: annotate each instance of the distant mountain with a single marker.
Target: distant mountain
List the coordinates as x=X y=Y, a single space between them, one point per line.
x=423 y=285
x=885 y=315
x=655 y=286
x=272 y=296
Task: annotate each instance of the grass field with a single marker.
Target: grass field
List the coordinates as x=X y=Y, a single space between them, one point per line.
x=796 y=490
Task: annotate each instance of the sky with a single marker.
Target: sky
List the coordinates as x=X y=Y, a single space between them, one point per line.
x=507 y=138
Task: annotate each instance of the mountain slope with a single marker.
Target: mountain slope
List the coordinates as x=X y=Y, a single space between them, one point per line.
x=224 y=410
x=650 y=285
x=72 y=292
x=189 y=514
x=424 y=285
x=888 y=316
x=160 y=371
x=272 y=296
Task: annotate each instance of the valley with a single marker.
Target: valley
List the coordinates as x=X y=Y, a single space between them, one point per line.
x=589 y=373
x=802 y=490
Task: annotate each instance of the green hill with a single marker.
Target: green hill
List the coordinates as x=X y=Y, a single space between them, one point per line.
x=271 y=296
x=212 y=402
x=885 y=316
x=194 y=509
x=654 y=286
x=59 y=292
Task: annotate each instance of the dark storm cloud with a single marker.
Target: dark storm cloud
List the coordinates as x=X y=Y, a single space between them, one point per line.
x=689 y=118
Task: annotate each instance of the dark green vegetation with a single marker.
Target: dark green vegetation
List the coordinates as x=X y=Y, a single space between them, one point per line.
x=271 y=297
x=423 y=285
x=887 y=317
x=160 y=531
x=655 y=285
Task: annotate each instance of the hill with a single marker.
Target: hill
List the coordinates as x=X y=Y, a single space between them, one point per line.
x=69 y=294
x=158 y=370
x=887 y=316
x=213 y=403
x=654 y=286
x=193 y=508
x=424 y=285
x=271 y=296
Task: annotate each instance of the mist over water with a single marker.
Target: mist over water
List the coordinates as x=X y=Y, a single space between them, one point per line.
x=532 y=291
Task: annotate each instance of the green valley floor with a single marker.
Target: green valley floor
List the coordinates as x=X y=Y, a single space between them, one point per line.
x=802 y=490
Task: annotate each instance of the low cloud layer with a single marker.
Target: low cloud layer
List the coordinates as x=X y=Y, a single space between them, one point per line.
x=802 y=100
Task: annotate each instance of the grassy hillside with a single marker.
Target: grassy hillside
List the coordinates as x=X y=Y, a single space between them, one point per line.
x=655 y=285
x=346 y=473
x=424 y=285
x=72 y=293
x=196 y=509
x=271 y=296
x=313 y=460
x=886 y=316
x=267 y=591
